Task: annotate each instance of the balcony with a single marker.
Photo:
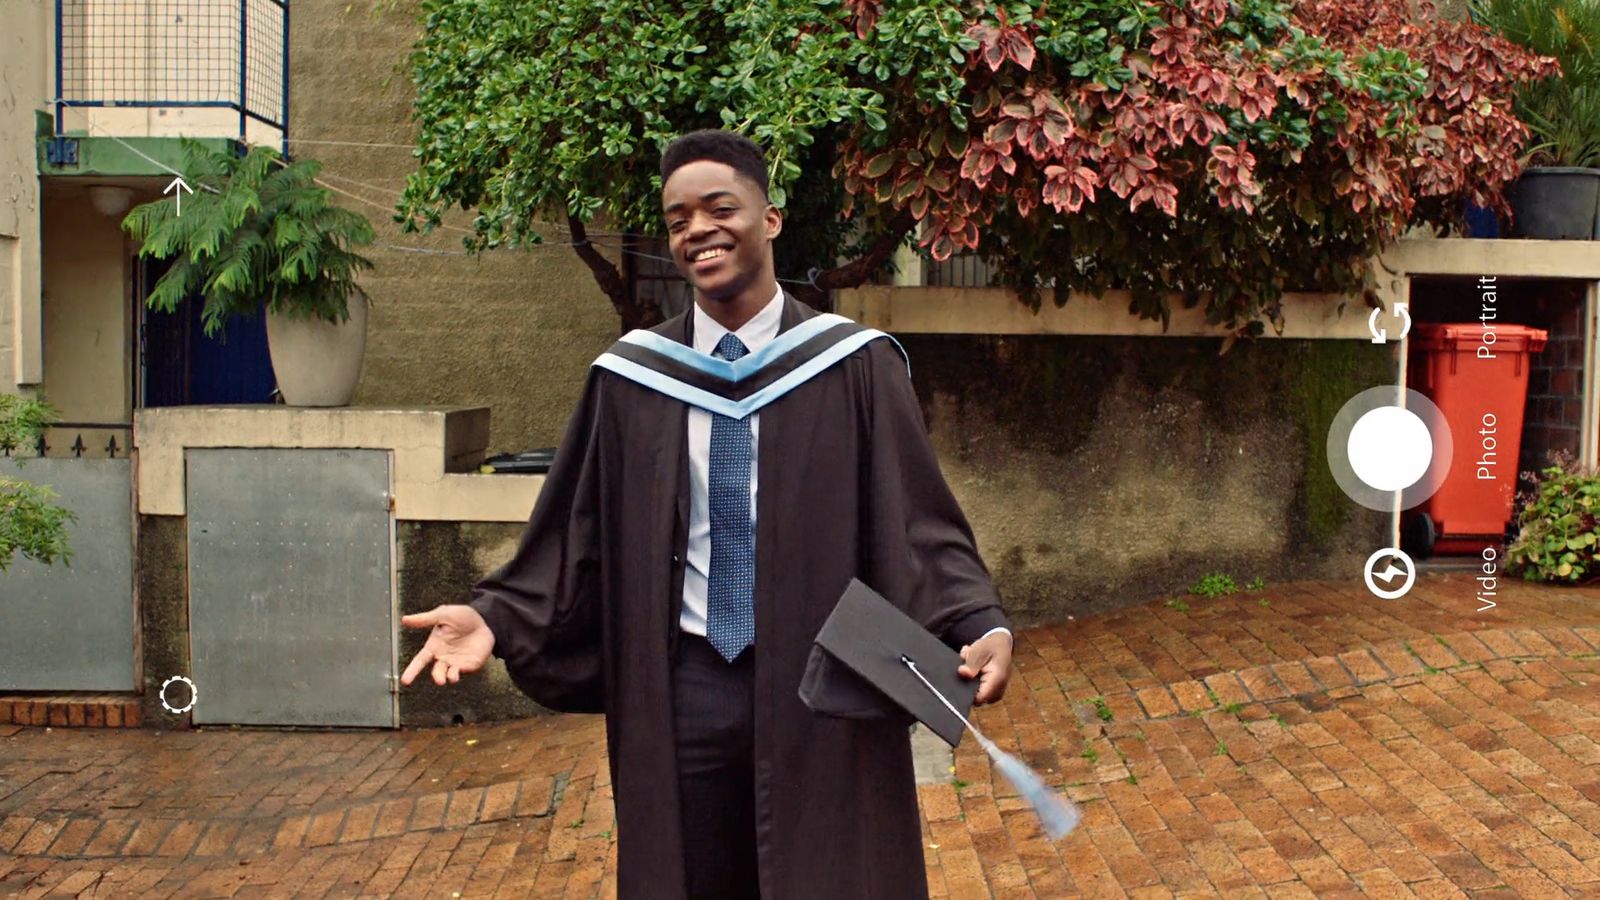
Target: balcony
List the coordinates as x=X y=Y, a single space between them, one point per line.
x=135 y=71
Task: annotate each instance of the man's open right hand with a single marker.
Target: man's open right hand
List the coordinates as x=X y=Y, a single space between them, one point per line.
x=460 y=642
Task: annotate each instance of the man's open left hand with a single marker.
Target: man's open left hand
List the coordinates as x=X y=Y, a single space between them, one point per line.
x=989 y=661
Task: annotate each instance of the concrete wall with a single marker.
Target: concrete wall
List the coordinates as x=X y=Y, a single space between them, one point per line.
x=88 y=316
x=439 y=562
x=161 y=586
x=24 y=62
x=514 y=330
x=1100 y=472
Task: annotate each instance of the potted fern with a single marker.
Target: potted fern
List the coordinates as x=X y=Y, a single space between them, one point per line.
x=1558 y=195
x=259 y=231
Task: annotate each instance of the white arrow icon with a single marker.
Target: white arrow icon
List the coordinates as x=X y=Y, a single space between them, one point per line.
x=176 y=188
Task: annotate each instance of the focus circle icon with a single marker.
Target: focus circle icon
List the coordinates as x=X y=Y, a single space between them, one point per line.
x=193 y=694
x=1377 y=448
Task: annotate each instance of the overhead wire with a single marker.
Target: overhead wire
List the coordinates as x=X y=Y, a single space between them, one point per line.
x=295 y=140
x=595 y=237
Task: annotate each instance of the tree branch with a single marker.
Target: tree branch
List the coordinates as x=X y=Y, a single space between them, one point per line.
x=633 y=313
x=857 y=271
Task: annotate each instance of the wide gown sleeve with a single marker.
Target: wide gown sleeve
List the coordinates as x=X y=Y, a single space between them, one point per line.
x=920 y=548
x=543 y=605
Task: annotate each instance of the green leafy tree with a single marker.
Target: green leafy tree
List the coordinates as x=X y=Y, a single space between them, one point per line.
x=31 y=523
x=256 y=231
x=1224 y=150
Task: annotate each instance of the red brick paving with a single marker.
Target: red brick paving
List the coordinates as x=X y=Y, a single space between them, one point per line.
x=1324 y=744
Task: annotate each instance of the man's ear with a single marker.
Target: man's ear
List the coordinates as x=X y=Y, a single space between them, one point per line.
x=774 y=222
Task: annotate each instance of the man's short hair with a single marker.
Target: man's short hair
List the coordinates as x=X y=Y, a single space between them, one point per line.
x=728 y=147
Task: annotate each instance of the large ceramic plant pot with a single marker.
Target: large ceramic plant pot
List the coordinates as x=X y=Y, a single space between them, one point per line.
x=1556 y=203
x=318 y=363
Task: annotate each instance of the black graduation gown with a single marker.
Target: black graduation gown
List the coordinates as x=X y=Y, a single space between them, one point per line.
x=585 y=615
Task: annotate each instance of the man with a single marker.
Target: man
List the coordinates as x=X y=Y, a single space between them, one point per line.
x=700 y=521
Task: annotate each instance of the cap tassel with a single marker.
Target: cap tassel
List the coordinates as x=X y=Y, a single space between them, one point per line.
x=1057 y=815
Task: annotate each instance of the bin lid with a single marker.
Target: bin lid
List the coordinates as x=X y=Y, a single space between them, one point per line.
x=1451 y=335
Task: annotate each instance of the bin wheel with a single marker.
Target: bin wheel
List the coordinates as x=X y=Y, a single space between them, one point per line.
x=1418 y=535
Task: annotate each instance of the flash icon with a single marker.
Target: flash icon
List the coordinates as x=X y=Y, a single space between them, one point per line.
x=1406 y=572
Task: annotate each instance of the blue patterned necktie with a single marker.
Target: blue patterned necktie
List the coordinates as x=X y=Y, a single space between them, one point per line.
x=730 y=591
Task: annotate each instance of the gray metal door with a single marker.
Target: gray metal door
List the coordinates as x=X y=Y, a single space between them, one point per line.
x=291 y=587
x=70 y=627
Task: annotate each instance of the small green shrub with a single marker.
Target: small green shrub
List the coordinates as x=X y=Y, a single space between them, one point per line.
x=32 y=525
x=1214 y=585
x=1558 y=530
x=1256 y=584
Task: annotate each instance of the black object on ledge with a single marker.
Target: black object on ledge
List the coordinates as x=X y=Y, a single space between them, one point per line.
x=528 y=462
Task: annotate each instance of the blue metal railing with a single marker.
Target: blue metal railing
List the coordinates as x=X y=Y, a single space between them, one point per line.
x=218 y=54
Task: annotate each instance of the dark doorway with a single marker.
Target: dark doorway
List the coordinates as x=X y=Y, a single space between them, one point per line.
x=180 y=366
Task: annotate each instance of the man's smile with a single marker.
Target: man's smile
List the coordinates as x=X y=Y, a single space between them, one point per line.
x=708 y=258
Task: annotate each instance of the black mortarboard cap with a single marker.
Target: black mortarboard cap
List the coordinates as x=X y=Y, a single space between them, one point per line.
x=868 y=637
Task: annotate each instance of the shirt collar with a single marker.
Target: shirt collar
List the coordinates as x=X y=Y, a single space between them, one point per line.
x=754 y=334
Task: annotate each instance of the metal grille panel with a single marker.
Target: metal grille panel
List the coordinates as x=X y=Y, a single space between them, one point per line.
x=291 y=603
x=70 y=627
x=175 y=53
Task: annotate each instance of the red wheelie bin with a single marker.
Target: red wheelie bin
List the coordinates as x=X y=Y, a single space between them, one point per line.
x=1478 y=377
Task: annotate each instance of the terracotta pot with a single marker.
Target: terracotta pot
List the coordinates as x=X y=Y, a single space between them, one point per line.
x=318 y=363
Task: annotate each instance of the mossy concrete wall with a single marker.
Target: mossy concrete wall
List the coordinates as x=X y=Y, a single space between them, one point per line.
x=1102 y=472
x=439 y=562
x=161 y=578
x=512 y=330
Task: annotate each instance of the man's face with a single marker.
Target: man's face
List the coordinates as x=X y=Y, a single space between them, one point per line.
x=719 y=228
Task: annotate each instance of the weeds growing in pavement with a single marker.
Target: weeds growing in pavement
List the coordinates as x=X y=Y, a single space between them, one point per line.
x=1214 y=585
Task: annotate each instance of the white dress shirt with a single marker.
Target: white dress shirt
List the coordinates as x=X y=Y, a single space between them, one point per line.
x=754 y=334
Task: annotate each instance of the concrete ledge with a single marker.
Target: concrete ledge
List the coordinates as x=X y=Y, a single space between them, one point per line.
x=433 y=448
x=1501 y=258
x=958 y=310
x=967 y=310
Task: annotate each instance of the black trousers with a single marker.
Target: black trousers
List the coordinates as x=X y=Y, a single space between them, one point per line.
x=714 y=722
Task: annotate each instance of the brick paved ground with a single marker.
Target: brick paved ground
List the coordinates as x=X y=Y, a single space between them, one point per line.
x=1308 y=740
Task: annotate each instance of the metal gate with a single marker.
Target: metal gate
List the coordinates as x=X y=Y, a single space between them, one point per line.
x=291 y=587
x=70 y=627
